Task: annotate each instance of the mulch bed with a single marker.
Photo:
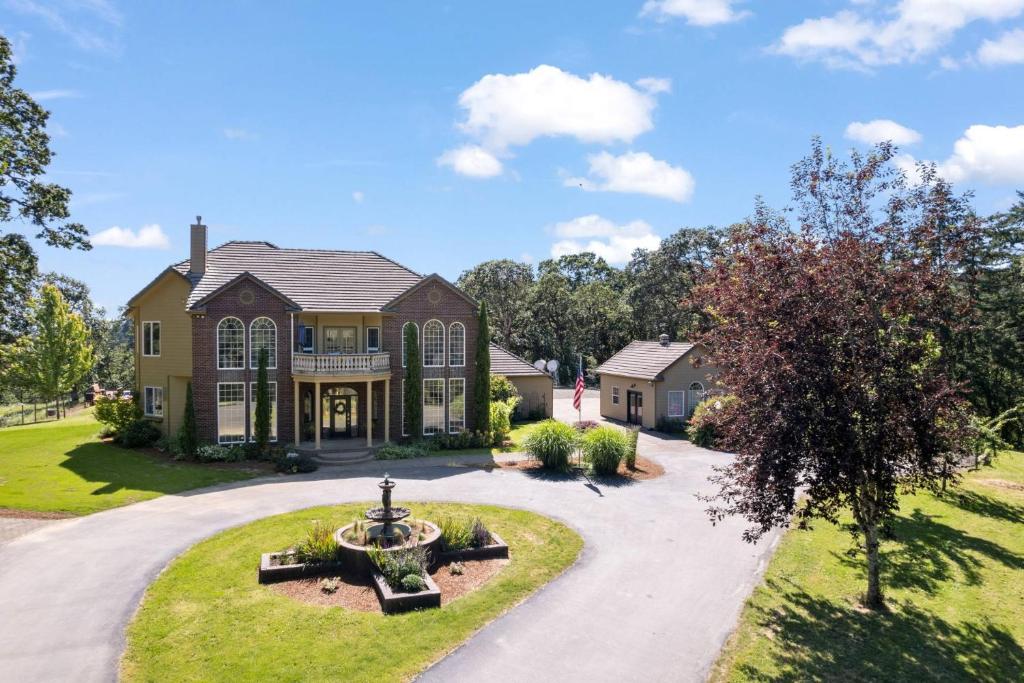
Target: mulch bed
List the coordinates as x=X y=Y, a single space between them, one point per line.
x=165 y=456
x=360 y=596
x=643 y=470
x=32 y=514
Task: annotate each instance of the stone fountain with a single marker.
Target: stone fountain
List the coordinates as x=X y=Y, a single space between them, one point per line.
x=386 y=514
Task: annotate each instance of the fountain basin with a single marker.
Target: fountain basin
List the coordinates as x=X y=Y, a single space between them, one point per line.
x=354 y=558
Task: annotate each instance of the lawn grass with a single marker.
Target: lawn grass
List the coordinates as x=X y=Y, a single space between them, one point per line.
x=954 y=582
x=206 y=617
x=63 y=467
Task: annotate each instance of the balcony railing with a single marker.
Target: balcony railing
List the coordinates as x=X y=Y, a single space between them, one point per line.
x=341 y=363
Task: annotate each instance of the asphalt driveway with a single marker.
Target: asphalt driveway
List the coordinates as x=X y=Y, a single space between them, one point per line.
x=652 y=598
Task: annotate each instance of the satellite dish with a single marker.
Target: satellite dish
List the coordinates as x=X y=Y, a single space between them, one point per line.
x=552 y=366
x=540 y=364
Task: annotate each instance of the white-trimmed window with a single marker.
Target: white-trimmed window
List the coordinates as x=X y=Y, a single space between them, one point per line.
x=456 y=404
x=153 y=401
x=151 y=338
x=697 y=395
x=262 y=335
x=273 y=410
x=372 y=339
x=433 y=344
x=415 y=327
x=433 y=406
x=457 y=345
x=230 y=344
x=676 y=404
x=230 y=412
x=615 y=396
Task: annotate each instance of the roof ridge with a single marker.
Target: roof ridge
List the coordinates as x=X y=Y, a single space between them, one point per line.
x=269 y=244
x=400 y=265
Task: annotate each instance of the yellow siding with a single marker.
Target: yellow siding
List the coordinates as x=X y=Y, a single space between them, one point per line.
x=679 y=377
x=537 y=392
x=172 y=369
x=625 y=384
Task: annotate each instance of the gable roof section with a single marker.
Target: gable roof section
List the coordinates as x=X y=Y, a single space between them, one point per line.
x=644 y=359
x=244 y=276
x=504 y=362
x=435 y=279
x=312 y=279
x=142 y=292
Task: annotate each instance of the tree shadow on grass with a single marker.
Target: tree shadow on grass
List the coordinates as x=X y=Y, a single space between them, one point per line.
x=926 y=553
x=986 y=506
x=821 y=640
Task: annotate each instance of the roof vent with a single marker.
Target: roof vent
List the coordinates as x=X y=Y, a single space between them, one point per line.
x=197 y=251
x=663 y=339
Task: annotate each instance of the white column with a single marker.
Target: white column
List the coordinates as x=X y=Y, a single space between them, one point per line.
x=369 y=414
x=387 y=410
x=317 y=404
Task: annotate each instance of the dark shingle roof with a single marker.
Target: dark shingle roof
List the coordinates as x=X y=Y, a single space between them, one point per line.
x=316 y=280
x=510 y=365
x=644 y=359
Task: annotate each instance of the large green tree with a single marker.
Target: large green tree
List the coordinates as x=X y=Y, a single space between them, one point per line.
x=55 y=355
x=504 y=285
x=25 y=197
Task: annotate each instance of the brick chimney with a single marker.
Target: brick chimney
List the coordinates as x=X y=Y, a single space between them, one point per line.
x=663 y=339
x=197 y=252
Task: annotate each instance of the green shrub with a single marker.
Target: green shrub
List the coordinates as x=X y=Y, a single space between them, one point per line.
x=501 y=421
x=216 y=453
x=294 y=463
x=319 y=546
x=711 y=419
x=480 y=536
x=413 y=583
x=139 y=434
x=503 y=390
x=671 y=425
x=552 y=442
x=395 y=451
x=604 y=448
x=456 y=534
x=395 y=565
x=459 y=441
x=117 y=413
x=632 y=436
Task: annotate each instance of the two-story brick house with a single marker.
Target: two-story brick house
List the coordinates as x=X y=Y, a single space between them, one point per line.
x=332 y=324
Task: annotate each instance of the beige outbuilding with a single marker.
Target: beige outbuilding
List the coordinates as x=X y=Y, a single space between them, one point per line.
x=652 y=383
x=536 y=387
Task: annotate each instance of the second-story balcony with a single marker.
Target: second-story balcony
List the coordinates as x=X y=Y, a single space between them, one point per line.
x=340 y=364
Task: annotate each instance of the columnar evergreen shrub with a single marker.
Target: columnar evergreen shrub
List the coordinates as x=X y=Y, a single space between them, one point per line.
x=188 y=433
x=412 y=395
x=482 y=379
x=604 y=448
x=552 y=442
x=261 y=426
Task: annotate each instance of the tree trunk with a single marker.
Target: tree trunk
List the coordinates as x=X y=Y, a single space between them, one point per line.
x=873 y=598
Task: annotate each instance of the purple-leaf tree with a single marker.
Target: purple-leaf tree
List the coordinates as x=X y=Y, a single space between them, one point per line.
x=828 y=332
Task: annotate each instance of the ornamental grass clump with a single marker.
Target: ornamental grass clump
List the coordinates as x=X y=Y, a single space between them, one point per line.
x=456 y=534
x=552 y=442
x=604 y=448
x=319 y=546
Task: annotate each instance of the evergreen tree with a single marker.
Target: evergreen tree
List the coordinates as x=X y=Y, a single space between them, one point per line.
x=482 y=381
x=412 y=395
x=188 y=435
x=55 y=355
x=261 y=426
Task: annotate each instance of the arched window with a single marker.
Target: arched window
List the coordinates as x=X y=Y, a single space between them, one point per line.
x=457 y=345
x=694 y=398
x=262 y=335
x=433 y=344
x=404 y=327
x=230 y=344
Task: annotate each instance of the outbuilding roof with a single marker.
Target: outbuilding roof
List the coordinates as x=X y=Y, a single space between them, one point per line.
x=504 y=362
x=314 y=279
x=644 y=359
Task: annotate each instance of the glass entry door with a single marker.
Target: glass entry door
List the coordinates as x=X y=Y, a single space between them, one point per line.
x=340 y=416
x=340 y=340
x=634 y=408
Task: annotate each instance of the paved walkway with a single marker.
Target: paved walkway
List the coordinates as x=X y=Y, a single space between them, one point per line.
x=653 y=596
x=13 y=527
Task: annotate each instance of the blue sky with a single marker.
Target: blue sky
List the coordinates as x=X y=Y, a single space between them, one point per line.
x=445 y=134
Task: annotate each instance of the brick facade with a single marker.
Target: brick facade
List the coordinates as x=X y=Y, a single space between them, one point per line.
x=246 y=300
x=432 y=300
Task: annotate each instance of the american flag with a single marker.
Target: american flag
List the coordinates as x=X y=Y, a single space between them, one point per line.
x=577 y=397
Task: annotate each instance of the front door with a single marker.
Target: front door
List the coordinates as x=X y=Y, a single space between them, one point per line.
x=340 y=420
x=634 y=408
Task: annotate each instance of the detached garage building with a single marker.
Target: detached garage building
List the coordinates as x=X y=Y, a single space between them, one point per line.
x=535 y=386
x=648 y=382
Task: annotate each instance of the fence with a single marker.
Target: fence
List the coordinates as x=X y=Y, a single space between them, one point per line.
x=13 y=414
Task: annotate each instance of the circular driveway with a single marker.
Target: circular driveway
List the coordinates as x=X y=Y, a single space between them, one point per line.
x=653 y=596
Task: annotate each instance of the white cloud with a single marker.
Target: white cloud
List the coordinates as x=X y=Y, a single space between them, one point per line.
x=993 y=154
x=358 y=197
x=695 y=12
x=873 y=35
x=654 y=86
x=635 y=172
x=614 y=243
x=59 y=94
x=148 y=237
x=508 y=110
x=1006 y=49
x=882 y=130
x=471 y=160
x=239 y=134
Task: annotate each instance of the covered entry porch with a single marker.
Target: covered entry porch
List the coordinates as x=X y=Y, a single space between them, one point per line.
x=341 y=414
